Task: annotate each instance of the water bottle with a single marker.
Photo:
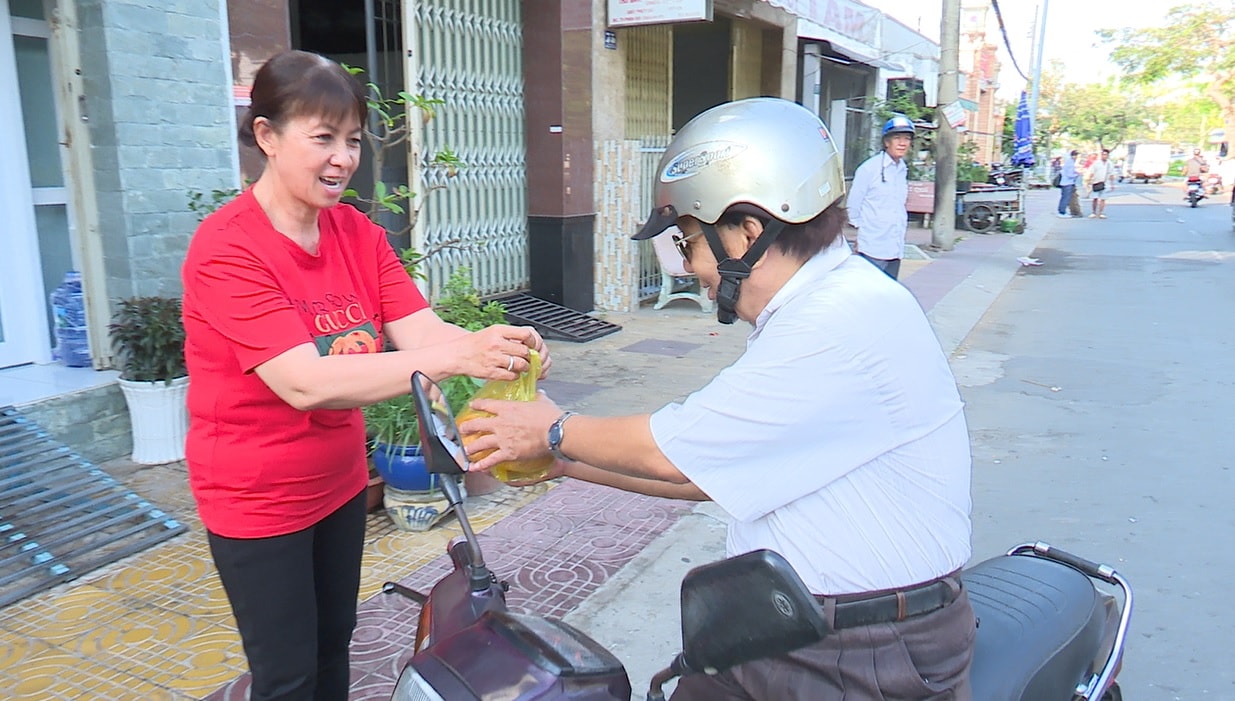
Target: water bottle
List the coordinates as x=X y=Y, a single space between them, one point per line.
x=69 y=314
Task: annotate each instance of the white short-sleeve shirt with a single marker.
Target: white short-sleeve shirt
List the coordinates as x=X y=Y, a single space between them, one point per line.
x=838 y=439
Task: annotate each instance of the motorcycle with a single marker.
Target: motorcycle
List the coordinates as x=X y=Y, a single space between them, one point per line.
x=1005 y=176
x=1194 y=192
x=1045 y=632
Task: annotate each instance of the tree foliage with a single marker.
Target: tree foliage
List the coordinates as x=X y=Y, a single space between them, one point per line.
x=1197 y=42
x=1093 y=113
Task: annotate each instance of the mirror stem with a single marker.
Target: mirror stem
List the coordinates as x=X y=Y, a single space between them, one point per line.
x=479 y=574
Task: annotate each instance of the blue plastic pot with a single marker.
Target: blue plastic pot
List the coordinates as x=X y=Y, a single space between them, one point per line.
x=403 y=467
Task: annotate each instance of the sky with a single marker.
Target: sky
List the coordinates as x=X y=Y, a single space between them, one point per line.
x=1070 y=27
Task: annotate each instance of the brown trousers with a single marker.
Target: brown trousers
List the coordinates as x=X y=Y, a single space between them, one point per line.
x=1074 y=206
x=920 y=659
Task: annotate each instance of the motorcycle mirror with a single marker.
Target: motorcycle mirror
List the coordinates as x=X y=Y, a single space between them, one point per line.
x=745 y=608
x=440 y=440
x=441 y=444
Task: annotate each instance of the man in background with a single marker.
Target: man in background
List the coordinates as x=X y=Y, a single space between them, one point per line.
x=1101 y=181
x=877 y=198
x=1068 y=179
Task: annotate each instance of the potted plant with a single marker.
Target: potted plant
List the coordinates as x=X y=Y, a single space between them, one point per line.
x=394 y=433
x=391 y=424
x=404 y=484
x=969 y=171
x=147 y=334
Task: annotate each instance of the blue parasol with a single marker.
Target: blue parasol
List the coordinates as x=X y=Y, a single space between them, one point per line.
x=1022 y=130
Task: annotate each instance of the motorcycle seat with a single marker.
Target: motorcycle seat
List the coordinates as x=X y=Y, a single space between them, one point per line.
x=1040 y=627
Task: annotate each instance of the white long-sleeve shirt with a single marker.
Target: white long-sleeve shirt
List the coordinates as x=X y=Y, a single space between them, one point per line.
x=876 y=206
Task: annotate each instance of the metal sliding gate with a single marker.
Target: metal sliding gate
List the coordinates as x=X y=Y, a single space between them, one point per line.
x=471 y=57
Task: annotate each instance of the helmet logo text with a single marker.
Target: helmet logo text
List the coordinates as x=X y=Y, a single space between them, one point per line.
x=693 y=160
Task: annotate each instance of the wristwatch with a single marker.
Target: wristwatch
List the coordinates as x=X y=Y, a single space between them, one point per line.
x=556 y=435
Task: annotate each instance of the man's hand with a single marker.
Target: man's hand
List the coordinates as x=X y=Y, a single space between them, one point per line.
x=515 y=431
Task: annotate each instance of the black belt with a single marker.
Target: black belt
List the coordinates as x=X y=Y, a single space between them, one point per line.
x=853 y=610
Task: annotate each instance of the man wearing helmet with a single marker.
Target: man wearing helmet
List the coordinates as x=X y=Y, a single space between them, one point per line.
x=837 y=439
x=1196 y=166
x=877 y=198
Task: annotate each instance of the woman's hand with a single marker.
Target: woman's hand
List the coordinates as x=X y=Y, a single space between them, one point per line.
x=545 y=359
x=515 y=431
x=500 y=352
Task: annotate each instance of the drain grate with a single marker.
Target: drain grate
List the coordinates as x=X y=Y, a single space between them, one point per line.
x=553 y=321
x=61 y=516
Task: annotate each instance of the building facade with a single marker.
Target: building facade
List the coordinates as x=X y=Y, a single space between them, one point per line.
x=558 y=110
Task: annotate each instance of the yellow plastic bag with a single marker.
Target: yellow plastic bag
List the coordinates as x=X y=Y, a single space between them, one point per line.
x=522 y=389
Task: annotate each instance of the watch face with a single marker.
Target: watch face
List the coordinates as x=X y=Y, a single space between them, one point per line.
x=555 y=435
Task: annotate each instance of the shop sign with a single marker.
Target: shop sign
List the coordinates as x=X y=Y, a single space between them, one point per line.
x=630 y=13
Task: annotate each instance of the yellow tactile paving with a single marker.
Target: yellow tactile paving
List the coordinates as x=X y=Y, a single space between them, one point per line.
x=157 y=625
x=64 y=614
x=183 y=559
x=57 y=675
x=194 y=660
x=16 y=650
x=911 y=266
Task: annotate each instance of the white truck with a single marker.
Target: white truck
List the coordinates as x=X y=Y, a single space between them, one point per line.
x=1148 y=160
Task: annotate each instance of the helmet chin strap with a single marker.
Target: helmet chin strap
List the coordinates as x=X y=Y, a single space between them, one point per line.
x=734 y=270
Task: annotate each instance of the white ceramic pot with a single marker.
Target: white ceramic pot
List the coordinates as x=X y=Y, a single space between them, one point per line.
x=160 y=418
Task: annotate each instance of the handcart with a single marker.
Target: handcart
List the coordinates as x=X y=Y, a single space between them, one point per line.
x=989 y=207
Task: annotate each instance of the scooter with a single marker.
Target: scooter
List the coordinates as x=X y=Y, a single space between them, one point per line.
x=1194 y=192
x=1045 y=633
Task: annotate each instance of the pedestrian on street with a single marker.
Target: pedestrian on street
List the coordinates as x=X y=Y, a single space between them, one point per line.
x=1101 y=181
x=1068 y=180
x=878 y=196
x=288 y=297
x=838 y=439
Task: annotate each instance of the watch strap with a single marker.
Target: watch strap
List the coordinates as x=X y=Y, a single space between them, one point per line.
x=557 y=433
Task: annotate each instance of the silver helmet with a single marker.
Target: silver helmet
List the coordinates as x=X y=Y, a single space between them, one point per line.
x=767 y=152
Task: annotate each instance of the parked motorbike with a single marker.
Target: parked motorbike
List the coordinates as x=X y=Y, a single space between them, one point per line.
x=1194 y=192
x=1044 y=632
x=1006 y=176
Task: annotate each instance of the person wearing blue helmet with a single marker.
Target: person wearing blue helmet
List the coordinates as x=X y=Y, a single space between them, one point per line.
x=877 y=198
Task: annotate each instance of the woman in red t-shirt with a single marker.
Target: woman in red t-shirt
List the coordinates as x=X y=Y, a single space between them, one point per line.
x=288 y=296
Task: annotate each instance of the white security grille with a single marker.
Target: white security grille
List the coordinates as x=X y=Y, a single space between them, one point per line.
x=470 y=57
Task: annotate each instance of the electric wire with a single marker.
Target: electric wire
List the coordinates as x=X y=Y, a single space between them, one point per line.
x=1008 y=45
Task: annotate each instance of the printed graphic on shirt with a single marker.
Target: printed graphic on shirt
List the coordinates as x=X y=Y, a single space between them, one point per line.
x=361 y=339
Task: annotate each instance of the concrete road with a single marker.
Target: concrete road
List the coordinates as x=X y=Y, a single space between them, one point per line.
x=1102 y=412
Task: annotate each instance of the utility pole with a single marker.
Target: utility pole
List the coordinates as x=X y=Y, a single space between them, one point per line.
x=943 y=234
x=1035 y=89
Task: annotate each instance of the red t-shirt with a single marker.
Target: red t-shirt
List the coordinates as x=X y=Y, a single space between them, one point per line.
x=257 y=466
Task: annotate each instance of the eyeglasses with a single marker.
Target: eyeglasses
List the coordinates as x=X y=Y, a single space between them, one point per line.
x=682 y=243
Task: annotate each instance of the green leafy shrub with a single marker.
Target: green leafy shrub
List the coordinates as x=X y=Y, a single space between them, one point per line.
x=460 y=304
x=394 y=422
x=147 y=334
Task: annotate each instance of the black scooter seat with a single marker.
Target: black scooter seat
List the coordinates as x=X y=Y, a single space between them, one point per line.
x=1040 y=626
